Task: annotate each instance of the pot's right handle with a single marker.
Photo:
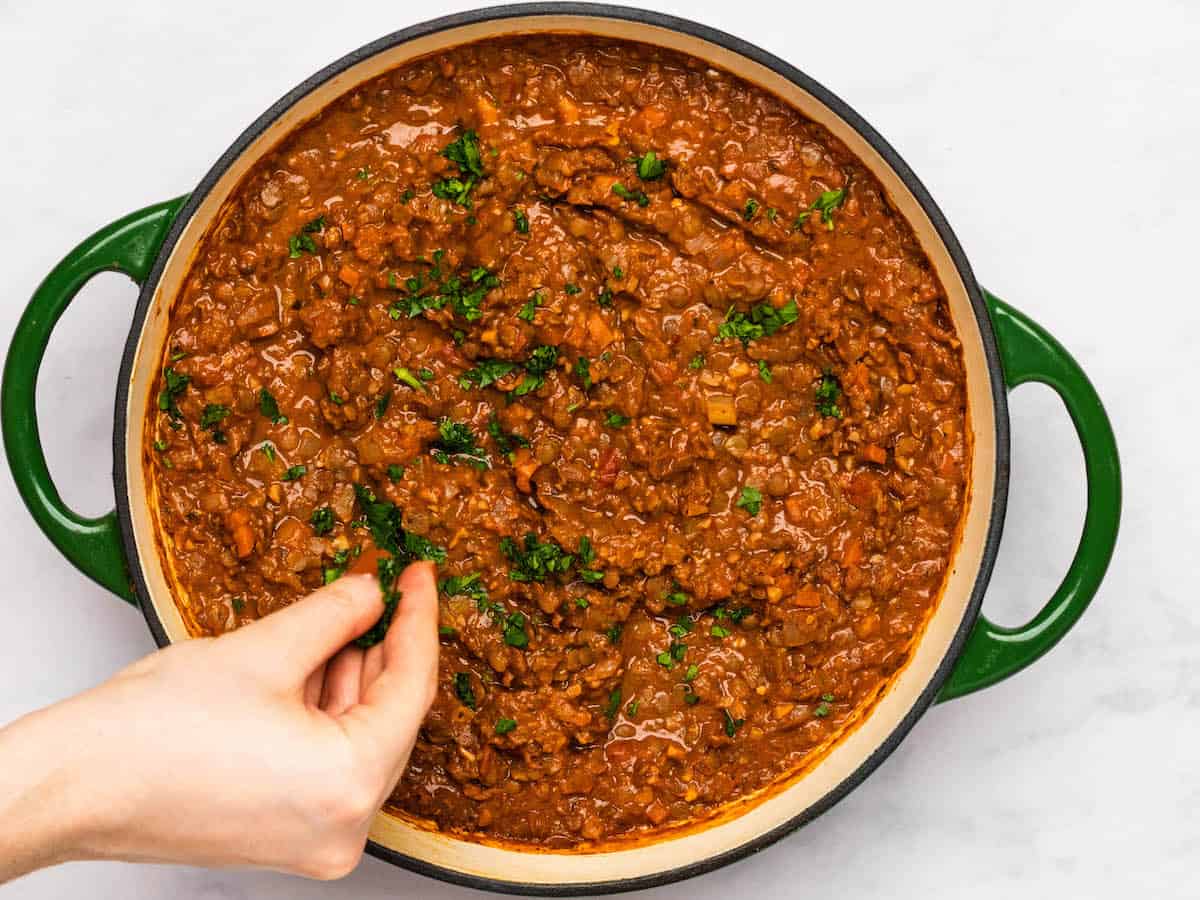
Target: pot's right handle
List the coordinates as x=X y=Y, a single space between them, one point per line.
x=1029 y=353
x=130 y=246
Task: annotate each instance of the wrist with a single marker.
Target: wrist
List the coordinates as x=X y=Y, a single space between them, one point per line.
x=48 y=812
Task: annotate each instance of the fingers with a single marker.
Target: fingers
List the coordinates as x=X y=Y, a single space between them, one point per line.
x=372 y=665
x=394 y=703
x=343 y=681
x=311 y=630
x=314 y=685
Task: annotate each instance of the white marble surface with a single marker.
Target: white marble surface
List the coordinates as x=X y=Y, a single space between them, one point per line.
x=1059 y=139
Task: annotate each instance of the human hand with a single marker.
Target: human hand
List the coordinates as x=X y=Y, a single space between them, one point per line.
x=270 y=746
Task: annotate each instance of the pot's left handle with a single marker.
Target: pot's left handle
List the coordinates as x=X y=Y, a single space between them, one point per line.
x=130 y=246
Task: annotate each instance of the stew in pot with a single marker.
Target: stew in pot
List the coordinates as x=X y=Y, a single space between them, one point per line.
x=643 y=359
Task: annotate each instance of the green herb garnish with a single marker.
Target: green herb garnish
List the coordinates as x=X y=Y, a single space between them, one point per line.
x=731 y=724
x=626 y=194
x=750 y=500
x=825 y=205
x=321 y=520
x=463 y=689
x=763 y=320
x=650 y=167
x=764 y=371
x=464 y=153
x=529 y=310
x=174 y=386
x=616 y=420
x=270 y=408
x=504 y=726
x=828 y=392
x=521 y=220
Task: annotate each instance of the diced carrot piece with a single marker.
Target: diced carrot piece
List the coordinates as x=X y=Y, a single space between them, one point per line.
x=721 y=410
x=852 y=553
x=809 y=598
x=873 y=453
x=349 y=275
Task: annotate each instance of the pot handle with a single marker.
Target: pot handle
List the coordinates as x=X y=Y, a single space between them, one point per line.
x=130 y=246
x=1029 y=353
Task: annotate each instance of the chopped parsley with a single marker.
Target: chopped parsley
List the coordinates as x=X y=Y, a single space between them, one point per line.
x=613 y=632
x=572 y=288
x=504 y=726
x=675 y=596
x=764 y=371
x=529 y=310
x=583 y=369
x=521 y=220
x=268 y=406
x=381 y=404
x=395 y=472
x=618 y=273
x=464 y=153
x=238 y=604
x=605 y=298
x=697 y=362
x=540 y=361
x=613 y=704
x=763 y=320
x=212 y=416
x=299 y=244
x=825 y=205
x=336 y=398
x=626 y=194
x=506 y=441
x=321 y=520
x=463 y=293
x=293 y=473
x=587 y=556
x=582 y=602
x=404 y=376
x=174 y=386
x=362 y=174
x=719 y=631
x=487 y=372
x=692 y=671
x=731 y=724
x=650 y=167
x=750 y=209
x=383 y=520
x=463 y=689
x=615 y=420
x=456 y=439
x=632 y=708
x=464 y=586
x=160 y=445
x=772 y=214
x=515 y=634
x=268 y=450
x=750 y=500
x=334 y=572
x=535 y=560
x=828 y=392
x=823 y=707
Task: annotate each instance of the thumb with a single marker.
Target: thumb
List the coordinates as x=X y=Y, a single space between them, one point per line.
x=314 y=628
x=394 y=704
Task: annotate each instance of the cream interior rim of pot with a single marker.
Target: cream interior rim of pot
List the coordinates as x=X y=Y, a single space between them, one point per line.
x=859 y=751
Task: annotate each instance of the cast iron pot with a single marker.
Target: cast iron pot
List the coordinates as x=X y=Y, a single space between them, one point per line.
x=960 y=652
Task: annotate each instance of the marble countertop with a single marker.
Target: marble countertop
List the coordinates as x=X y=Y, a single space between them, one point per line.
x=1059 y=139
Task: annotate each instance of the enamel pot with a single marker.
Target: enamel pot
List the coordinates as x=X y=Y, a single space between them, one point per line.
x=960 y=651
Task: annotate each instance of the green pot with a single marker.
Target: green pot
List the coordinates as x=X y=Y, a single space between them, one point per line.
x=960 y=652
